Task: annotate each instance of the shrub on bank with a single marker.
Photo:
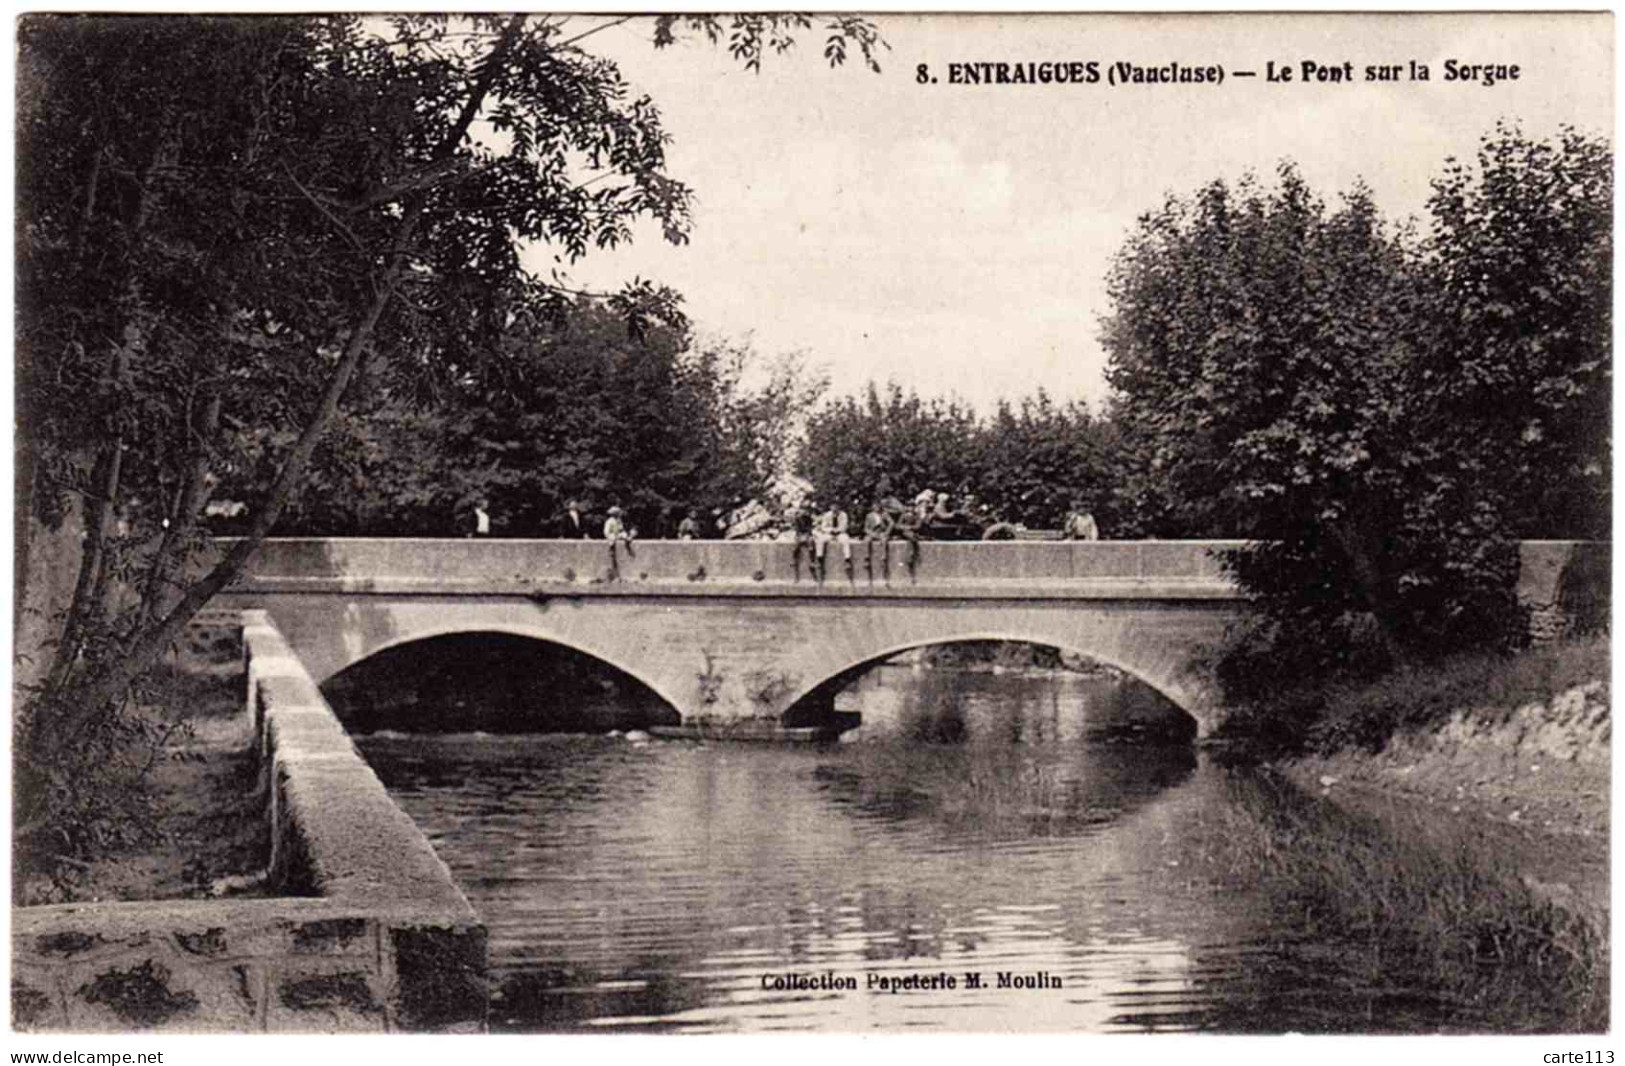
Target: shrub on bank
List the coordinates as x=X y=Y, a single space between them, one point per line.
x=87 y=796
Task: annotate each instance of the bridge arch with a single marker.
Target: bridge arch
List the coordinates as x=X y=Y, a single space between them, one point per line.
x=373 y=652
x=1191 y=704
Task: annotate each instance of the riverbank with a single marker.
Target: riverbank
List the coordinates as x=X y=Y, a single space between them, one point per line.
x=1504 y=766
x=1519 y=746
x=196 y=817
x=358 y=928
x=208 y=839
x=1536 y=777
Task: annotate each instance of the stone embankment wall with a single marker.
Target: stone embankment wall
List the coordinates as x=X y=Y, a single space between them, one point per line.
x=1565 y=586
x=369 y=932
x=1575 y=726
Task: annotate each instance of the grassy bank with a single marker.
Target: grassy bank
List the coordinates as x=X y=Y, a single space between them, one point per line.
x=1463 y=806
x=1423 y=913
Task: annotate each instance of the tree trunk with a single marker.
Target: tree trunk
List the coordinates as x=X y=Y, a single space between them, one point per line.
x=149 y=644
x=98 y=606
x=1355 y=546
x=183 y=518
x=110 y=682
x=25 y=474
x=105 y=482
x=97 y=517
x=91 y=585
x=82 y=226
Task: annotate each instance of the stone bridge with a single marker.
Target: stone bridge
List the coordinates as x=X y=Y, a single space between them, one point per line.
x=740 y=640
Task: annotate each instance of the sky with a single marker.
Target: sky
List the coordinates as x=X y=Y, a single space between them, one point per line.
x=956 y=238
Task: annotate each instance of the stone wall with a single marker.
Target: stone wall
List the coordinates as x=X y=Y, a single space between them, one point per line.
x=369 y=934
x=1565 y=585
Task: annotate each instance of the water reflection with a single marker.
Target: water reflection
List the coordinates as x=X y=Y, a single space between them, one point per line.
x=660 y=885
x=1015 y=706
x=681 y=886
x=685 y=886
x=993 y=791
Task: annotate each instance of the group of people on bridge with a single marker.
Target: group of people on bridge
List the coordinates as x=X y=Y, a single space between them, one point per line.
x=930 y=517
x=815 y=525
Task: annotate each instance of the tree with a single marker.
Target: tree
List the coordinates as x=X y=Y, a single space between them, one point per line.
x=224 y=223
x=764 y=426
x=581 y=409
x=1026 y=464
x=854 y=447
x=1268 y=357
x=1036 y=458
x=1520 y=359
x=1143 y=502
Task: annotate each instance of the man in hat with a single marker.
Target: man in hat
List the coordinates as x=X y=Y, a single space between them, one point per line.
x=833 y=525
x=617 y=534
x=877 y=528
x=572 y=524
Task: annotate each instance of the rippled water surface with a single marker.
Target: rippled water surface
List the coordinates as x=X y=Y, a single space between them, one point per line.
x=673 y=885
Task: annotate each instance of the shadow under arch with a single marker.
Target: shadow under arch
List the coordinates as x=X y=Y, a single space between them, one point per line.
x=492 y=679
x=814 y=703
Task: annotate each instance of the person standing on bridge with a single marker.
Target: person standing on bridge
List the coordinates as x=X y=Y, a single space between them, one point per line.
x=617 y=534
x=572 y=524
x=689 y=527
x=1079 y=524
x=481 y=521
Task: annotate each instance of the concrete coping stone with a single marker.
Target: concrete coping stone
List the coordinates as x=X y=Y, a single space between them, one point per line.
x=355 y=843
x=129 y=919
x=276 y=666
x=1172 y=588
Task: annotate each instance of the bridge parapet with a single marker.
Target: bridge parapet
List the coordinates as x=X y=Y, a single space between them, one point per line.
x=1142 y=568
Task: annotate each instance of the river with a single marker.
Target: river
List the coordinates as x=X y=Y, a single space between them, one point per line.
x=980 y=857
